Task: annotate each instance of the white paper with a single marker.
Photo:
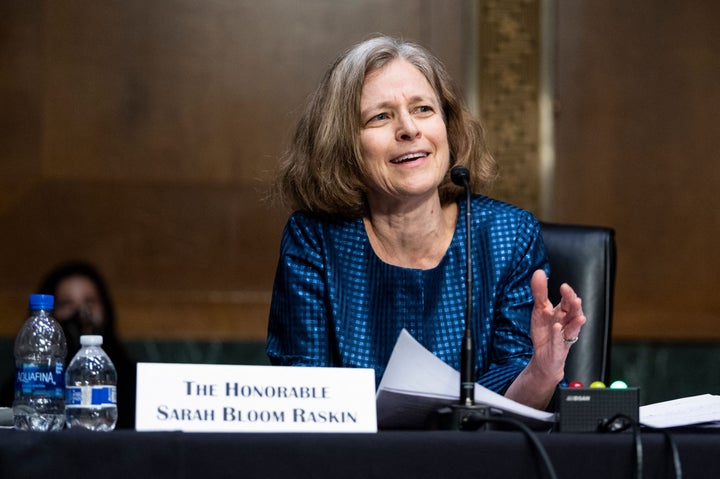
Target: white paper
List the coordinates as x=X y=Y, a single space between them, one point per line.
x=416 y=383
x=690 y=411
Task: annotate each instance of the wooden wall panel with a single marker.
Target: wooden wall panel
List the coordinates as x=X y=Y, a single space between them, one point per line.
x=142 y=136
x=509 y=89
x=638 y=93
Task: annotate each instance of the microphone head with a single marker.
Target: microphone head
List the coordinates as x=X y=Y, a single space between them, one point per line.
x=460 y=176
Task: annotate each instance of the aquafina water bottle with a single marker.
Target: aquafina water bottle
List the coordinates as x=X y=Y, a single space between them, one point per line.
x=40 y=350
x=91 y=388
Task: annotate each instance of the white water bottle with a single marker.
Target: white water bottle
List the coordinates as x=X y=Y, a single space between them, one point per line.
x=40 y=351
x=91 y=388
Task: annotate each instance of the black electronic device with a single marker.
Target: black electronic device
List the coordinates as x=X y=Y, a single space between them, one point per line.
x=595 y=409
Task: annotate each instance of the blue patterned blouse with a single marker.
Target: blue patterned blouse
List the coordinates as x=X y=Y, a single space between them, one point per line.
x=335 y=303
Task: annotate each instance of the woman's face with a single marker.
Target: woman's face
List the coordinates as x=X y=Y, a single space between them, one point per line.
x=403 y=135
x=78 y=296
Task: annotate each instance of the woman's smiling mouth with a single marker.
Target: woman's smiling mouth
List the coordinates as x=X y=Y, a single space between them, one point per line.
x=408 y=157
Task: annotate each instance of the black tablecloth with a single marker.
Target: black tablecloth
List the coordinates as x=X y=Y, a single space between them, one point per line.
x=125 y=454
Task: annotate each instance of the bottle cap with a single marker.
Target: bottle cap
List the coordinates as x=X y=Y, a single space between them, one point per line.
x=91 y=340
x=42 y=301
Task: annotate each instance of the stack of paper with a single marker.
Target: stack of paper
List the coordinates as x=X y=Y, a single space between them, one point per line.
x=702 y=410
x=416 y=383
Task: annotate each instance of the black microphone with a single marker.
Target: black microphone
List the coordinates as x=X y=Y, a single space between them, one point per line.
x=461 y=177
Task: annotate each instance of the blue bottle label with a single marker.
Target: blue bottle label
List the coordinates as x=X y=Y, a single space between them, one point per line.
x=90 y=396
x=40 y=379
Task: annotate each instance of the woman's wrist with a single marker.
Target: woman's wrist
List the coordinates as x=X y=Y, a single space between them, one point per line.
x=534 y=386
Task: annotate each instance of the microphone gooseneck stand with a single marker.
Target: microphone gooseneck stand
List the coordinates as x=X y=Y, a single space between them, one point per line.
x=465 y=415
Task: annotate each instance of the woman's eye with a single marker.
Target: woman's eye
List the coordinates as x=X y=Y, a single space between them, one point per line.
x=425 y=109
x=380 y=117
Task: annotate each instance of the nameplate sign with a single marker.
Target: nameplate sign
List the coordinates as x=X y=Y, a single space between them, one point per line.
x=227 y=398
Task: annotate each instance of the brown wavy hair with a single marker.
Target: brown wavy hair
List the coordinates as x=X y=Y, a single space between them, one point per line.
x=323 y=172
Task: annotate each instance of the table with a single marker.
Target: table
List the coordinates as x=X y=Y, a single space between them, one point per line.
x=126 y=454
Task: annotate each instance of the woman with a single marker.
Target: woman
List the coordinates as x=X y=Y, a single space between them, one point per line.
x=83 y=306
x=376 y=245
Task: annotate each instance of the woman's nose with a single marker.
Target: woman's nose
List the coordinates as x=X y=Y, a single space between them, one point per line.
x=407 y=128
